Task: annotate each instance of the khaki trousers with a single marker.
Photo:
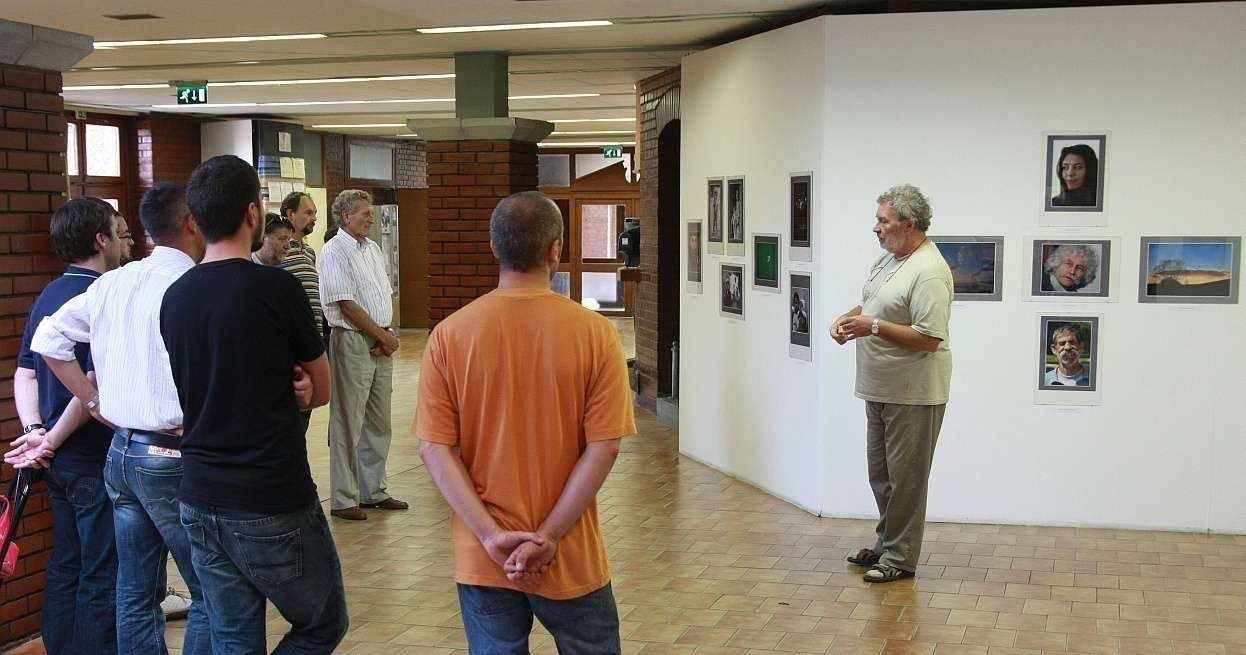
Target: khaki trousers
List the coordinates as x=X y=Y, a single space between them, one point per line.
x=900 y=442
x=359 y=419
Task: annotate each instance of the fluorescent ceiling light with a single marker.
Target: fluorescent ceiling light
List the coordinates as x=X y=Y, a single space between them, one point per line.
x=310 y=103
x=594 y=120
x=518 y=26
x=336 y=80
x=323 y=80
x=584 y=144
x=214 y=39
x=555 y=95
x=361 y=125
x=592 y=132
x=114 y=87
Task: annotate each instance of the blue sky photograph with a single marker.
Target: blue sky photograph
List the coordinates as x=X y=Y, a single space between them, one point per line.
x=1196 y=256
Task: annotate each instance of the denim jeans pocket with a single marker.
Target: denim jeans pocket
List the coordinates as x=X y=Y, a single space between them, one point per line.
x=273 y=559
x=84 y=492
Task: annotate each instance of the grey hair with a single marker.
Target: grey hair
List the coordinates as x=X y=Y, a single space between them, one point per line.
x=347 y=201
x=1092 y=260
x=521 y=229
x=910 y=205
x=1067 y=329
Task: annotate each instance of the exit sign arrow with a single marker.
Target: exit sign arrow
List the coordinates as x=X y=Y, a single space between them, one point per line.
x=192 y=93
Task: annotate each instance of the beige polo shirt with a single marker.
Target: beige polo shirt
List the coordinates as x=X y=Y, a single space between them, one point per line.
x=914 y=291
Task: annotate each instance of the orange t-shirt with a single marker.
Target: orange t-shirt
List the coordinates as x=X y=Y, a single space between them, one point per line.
x=521 y=380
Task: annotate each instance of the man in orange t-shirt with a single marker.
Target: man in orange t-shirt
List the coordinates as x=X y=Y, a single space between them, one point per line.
x=524 y=397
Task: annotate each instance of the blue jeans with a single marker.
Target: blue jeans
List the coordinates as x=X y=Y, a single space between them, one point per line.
x=143 y=488
x=80 y=595
x=498 y=621
x=244 y=558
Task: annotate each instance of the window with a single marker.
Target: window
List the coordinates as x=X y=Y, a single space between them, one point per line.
x=103 y=150
x=553 y=170
x=71 y=149
x=597 y=231
x=371 y=162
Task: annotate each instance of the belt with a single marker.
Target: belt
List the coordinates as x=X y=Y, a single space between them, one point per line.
x=158 y=439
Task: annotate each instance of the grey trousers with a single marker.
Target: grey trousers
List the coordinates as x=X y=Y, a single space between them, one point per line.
x=900 y=442
x=359 y=419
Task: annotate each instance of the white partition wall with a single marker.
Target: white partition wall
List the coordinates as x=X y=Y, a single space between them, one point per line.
x=958 y=104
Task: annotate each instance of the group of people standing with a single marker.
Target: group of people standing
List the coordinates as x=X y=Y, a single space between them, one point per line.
x=168 y=401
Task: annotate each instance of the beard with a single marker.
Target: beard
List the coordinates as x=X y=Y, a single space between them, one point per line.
x=1069 y=358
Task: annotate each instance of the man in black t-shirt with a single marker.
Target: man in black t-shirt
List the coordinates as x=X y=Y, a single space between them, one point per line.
x=235 y=331
x=81 y=588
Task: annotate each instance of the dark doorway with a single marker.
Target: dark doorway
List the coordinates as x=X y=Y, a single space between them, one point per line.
x=669 y=248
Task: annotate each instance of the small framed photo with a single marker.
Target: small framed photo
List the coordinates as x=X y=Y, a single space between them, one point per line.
x=735 y=216
x=1190 y=270
x=977 y=266
x=766 y=266
x=1070 y=268
x=1075 y=172
x=1068 y=359
x=801 y=216
x=732 y=290
x=714 y=215
x=800 y=346
x=694 y=284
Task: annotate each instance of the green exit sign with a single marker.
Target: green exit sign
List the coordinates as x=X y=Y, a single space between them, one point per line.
x=192 y=93
x=612 y=152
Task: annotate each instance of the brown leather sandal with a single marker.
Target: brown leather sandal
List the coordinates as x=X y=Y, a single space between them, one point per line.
x=864 y=557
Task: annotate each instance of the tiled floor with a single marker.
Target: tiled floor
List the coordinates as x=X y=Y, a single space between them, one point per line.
x=704 y=564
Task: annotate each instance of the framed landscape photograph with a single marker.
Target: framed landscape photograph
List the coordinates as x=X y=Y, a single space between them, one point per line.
x=977 y=266
x=1071 y=268
x=1075 y=169
x=1198 y=270
x=714 y=215
x=694 y=284
x=801 y=216
x=735 y=216
x=766 y=266
x=800 y=346
x=1068 y=353
x=731 y=277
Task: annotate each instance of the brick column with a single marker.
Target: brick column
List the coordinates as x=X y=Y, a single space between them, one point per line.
x=466 y=179
x=467 y=176
x=32 y=185
x=657 y=302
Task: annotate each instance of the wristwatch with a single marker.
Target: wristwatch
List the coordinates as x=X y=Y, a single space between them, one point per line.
x=31 y=428
x=874 y=327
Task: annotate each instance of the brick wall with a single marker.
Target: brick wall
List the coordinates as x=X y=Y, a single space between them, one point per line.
x=334 y=172
x=657 y=313
x=32 y=185
x=411 y=164
x=466 y=179
x=175 y=147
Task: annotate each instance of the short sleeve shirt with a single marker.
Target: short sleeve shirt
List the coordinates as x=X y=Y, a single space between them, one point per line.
x=84 y=452
x=234 y=331
x=350 y=270
x=521 y=380
x=914 y=291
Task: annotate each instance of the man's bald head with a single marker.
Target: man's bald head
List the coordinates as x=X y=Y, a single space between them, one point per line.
x=522 y=228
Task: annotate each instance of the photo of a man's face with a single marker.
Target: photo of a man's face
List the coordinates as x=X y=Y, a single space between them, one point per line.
x=732 y=279
x=1068 y=358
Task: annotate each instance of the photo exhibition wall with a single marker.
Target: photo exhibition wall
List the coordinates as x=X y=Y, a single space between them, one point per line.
x=1085 y=167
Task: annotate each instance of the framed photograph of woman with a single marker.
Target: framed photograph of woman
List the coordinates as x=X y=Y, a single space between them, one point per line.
x=714 y=215
x=1074 y=173
x=1071 y=268
x=800 y=186
x=735 y=216
x=731 y=277
x=800 y=345
x=694 y=284
x=1190 y=270
x=766 y=262
x=977 y=266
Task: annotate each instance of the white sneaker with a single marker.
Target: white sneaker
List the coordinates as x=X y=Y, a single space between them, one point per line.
x=175 y=605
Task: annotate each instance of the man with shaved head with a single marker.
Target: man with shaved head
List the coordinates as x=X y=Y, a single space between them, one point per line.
x=523 y=400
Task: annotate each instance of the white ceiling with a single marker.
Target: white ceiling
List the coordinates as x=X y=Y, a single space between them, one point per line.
x=371 y=38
